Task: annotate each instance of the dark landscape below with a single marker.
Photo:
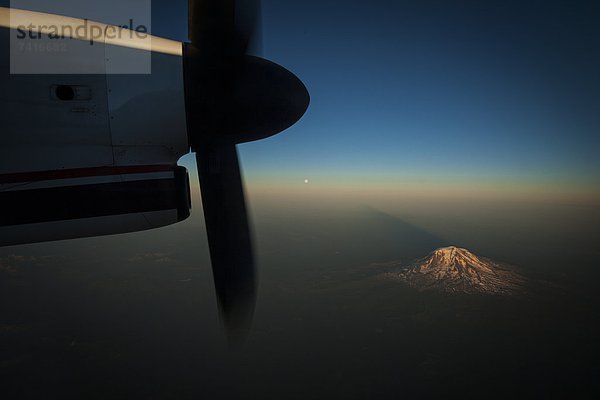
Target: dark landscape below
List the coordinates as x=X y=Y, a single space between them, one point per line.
x=141 y=321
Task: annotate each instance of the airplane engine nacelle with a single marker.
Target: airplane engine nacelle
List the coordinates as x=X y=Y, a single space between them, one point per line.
x=61 y=121
x=90 y=154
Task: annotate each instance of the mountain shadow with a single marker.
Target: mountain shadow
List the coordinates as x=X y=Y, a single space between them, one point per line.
x=384 y=237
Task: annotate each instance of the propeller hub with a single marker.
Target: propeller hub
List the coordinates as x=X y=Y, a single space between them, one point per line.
x=239 y=98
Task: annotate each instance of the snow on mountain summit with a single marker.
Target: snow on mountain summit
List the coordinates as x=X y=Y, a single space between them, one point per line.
x=454 y=269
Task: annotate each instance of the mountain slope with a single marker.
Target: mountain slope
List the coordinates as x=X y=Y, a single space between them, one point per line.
x=455 y=269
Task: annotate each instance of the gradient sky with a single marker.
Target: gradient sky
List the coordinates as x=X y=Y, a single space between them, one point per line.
x=404 y=91
x=493 y=93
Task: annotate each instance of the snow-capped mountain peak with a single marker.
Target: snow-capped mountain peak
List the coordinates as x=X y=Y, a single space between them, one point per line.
x=456 y=269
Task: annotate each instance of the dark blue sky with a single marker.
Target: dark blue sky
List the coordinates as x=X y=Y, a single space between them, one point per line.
x=431 y=90
x=434 y=89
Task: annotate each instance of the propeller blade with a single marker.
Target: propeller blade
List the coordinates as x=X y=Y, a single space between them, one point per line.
x=232 y=97
x=209 y=20
x=229 y=236
x=225 y=27
x=248 y=23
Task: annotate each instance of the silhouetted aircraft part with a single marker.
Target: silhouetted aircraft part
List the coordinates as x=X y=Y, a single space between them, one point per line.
x=67 y=204
x=224 y=25
x=231 y=98
x=208 y=95
x=252 y=100
x=228 y=231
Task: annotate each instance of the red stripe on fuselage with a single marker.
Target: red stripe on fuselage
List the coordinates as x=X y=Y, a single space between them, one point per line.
x=82 y=173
